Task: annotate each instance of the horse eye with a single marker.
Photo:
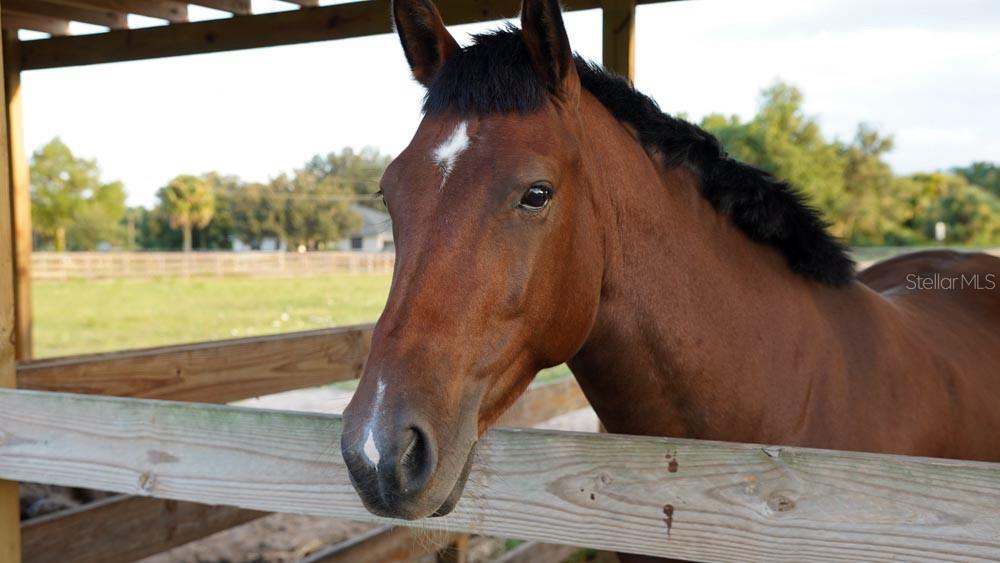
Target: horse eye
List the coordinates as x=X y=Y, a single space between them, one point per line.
x=536 y=198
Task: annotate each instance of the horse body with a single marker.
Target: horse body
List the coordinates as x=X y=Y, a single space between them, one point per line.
x=724 y=342
x=545 y=212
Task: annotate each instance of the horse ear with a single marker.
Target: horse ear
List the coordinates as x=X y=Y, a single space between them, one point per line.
x=545 y=35
x=426 y=42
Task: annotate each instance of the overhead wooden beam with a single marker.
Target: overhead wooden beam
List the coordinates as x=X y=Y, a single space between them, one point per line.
x=687 y=499
x=13 y=21
x=122 y=529
x=618 y=29
x=94 y=16
x=341 y=21
x=19 y=177
x=210 y=372
x=170 y=10
x=10 y=513
x=304 y=3
x=238 y=7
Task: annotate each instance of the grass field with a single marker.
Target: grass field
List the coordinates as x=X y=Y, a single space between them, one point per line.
x=76 y=317
x=82 y=317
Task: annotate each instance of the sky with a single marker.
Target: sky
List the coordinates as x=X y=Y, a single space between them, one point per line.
x=925 y=71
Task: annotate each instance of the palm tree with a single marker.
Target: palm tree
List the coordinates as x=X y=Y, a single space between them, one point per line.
x=189 y=202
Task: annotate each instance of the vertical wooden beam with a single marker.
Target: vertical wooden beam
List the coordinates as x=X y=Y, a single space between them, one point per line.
x=619 y=37
x=20 y=189
x=10 y=514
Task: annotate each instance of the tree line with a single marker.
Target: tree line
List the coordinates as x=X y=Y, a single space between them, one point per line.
x=310 y=207
x=850 y=182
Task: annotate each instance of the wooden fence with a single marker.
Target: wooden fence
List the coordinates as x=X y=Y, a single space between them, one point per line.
x=125 y=528
x=680 y=498
x=669 y=497
x=112 y=265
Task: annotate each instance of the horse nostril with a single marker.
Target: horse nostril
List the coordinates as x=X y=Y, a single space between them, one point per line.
x=416 y=464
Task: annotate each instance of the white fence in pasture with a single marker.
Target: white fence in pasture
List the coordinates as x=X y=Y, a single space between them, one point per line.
x=123 y=265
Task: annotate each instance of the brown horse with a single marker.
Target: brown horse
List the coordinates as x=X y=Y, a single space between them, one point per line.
x=546 y=212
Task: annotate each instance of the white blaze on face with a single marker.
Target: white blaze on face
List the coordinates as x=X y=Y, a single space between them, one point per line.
x=448 y=152
x=371 y=448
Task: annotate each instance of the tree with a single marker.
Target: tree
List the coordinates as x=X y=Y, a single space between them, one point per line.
x=314 y=210
x=983 y=174
x=970 y=213
x=71 y=207
x=189 y=202
x=782 y=140
x=358 y=172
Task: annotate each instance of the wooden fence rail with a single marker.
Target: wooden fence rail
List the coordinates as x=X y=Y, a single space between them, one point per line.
x=126 y=265
x=210 y=372
x=681 y=498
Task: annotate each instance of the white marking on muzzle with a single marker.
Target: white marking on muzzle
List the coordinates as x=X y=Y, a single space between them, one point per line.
x=448 y=152
x=371 y=448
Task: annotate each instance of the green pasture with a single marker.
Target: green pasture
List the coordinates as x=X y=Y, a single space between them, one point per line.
x=82 y=317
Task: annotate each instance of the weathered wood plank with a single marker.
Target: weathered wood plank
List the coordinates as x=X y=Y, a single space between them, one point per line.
x=534 y=552
x=386 y=543
x=95 y=16
x=10 y=536
x=20 y=187
x=545 y=401
x=341 y=21
x=238 y=7
x=123 y=529
x=669 y=497
x=210 y=372
x=127 y=528
x=13 y=21
x=540 y=403
x=170 y=10
x=619 y=37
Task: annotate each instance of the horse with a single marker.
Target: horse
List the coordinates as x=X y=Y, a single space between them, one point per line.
x=546 y=212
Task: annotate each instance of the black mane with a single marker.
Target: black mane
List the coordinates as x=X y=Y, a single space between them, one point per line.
x=495 y=75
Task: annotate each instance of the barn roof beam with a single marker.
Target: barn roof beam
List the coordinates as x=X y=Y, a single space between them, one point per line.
x=238 y=7
x=341 y=21
x=174 y=11
x=14 y=20
x=94 y=16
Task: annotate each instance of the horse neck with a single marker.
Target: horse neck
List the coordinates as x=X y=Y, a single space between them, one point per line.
x=701 y=332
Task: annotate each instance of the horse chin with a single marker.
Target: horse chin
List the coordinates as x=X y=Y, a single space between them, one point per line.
x=456 y=491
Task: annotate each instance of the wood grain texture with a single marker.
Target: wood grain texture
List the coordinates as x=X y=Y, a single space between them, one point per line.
x=13 y=21
x=170 y=10
x=95 y=16
x=534 y=552
x=127 y=528
x=10 y=536
x=238 y=7
x=720 y=502
x=210 y=372
x=618 y=32
x=341 y=21
x=386 y=543
x=544 y=401
x=540 y=403
x=123 y=529
x=20 y=188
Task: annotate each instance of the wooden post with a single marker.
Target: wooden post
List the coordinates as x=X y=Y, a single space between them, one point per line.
x=20 y=189
x=10 y=514
x=619 y=37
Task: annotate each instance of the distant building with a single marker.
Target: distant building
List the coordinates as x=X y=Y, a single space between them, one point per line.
x=374 y=235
